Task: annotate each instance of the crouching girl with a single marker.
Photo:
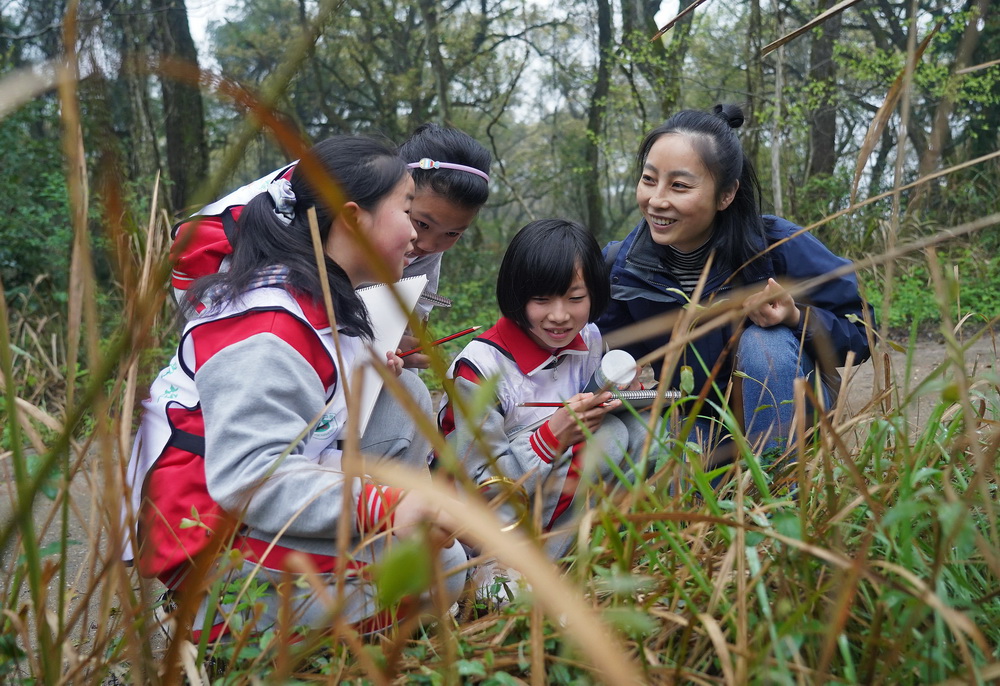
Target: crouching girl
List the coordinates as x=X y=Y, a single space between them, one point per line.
x=242 y=431
x=551 y=286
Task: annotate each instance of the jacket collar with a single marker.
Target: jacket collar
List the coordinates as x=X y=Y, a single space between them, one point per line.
x=315 y=312
x=644 y=252
x=642 y=258
x=529 y=357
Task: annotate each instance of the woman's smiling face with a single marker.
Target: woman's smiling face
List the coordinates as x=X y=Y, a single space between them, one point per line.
x=677 y=195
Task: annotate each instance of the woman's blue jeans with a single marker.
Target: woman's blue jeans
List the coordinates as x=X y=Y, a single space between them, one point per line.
x=771 y=359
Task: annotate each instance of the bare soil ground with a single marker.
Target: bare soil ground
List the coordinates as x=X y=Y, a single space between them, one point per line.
x=916 y=376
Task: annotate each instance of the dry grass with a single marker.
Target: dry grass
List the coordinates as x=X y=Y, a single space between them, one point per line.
x=883 y=565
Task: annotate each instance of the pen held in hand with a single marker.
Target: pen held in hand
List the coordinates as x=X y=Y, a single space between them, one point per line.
x=439 y=341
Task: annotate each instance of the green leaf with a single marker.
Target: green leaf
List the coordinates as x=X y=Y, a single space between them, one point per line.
x=788 y=524
x=470 y=668
x=907 y=511
x=55 y=547
x=687 y=380
x=405 y=570
x=50 y=483
x=376 y=654
x=613 y=581
x=20 y=351
x=631 y=621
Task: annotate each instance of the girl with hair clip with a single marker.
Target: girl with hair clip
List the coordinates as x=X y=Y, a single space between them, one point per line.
x=244 y=426
x=551 y=287
x=699 y=197
x=451 y=173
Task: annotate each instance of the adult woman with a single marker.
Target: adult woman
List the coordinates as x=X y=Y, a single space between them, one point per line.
x=699 y=197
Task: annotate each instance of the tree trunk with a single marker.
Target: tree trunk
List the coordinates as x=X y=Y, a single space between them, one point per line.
x=595 y=122
x=428 y=12
x=674 y=56
x=779 y=77
x=183 y=112
x=987 y=125
x=940 y=138
x=131 y=111
x=823 y=74
x=660 y=63
x=755 y=82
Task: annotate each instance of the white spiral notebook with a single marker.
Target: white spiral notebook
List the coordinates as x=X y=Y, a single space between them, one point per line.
x=388 y=325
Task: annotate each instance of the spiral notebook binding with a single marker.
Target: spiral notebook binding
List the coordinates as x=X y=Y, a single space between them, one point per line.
x=646 y=394
x=435 y=299
x=427 y=297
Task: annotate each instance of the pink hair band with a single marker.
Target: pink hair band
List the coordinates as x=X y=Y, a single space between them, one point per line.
x=428 y=163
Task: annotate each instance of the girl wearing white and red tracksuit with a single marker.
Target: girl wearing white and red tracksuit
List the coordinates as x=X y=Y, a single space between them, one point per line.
x=551 y=286
x=242 y=430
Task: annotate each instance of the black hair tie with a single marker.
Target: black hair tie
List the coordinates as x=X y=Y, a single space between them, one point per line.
x=731 y=114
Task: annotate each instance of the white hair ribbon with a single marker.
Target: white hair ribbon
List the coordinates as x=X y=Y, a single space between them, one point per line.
x=281 y=193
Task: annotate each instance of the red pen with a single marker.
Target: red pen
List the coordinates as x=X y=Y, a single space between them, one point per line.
x=442 y=340
x=552 y=405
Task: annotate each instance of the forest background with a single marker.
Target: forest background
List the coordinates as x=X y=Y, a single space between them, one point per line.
x=879 y=125
x=560 y=94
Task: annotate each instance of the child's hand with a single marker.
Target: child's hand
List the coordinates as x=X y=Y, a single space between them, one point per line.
x=589 y=410
x=394 y=362
x=414 y=512
x=772 y=306
x=415 y=360
x=636 y=385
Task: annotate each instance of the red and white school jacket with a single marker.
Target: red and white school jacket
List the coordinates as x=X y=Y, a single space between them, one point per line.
x=517 y=440
x=166 y=472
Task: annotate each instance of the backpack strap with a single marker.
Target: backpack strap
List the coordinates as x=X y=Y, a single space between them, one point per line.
x=229 y=224
x=612 y=253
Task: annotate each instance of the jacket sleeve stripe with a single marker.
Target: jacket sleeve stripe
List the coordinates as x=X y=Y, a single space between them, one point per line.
x=544 y=443
x=376 y=507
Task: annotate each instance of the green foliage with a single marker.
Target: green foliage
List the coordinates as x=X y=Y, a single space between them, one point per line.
x=913 y=302
x=468 y=279
x=406 y=570
x=36 y=232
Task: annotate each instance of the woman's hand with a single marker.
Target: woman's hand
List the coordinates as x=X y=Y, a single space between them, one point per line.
x=587 y=409
x=415 y=360
x=772 y=306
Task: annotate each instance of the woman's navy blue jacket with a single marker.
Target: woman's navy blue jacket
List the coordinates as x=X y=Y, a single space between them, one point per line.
x=640 y=288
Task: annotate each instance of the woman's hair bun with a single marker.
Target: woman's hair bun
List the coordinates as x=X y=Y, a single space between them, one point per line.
x=731 y=114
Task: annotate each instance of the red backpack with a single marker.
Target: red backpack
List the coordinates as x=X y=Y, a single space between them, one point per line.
x=202 y=242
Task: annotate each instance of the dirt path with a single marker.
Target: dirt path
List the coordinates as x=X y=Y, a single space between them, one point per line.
x=918 y=375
